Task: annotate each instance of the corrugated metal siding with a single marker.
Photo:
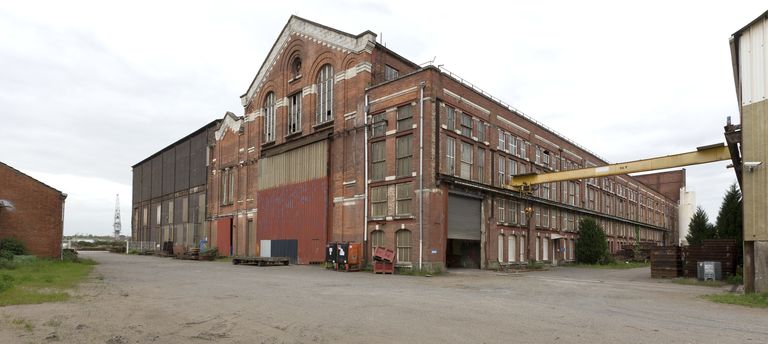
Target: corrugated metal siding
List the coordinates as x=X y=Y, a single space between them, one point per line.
x=168 y=166
x=146 y=181
x=755 y=148
x=297 y=211
x=136 y=186
x=197 y=170
x=463 y=218
x=181 y=178
x=753 y=60
x=299 y=165
x=157 y=176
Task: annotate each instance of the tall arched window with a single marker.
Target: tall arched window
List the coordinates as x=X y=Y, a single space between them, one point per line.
x=377 y=239
x=512 y=245
x=501 y=248
x=403 y=238
x=324 y=95
x=269 y=117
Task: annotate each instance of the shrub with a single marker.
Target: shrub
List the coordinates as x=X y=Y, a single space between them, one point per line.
x=15 y=246
x=591 y=247
x=6 y=255
x=210 y=251
x=69 y=255
x=7 y=264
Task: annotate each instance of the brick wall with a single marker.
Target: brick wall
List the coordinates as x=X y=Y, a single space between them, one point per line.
x=37 y=217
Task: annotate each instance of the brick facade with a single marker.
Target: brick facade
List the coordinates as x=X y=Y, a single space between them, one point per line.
x=37 y=216
x=378 y=94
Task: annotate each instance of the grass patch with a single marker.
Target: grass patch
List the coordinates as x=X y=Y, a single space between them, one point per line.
x=42 y=281
x=417 y=272
x=693 y=281
x=614 y=265
x=749 y=300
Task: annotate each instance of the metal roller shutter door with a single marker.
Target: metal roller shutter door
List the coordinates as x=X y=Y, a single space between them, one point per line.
x=463 y=218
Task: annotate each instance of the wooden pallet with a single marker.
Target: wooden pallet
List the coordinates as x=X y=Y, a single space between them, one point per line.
x=260 y=261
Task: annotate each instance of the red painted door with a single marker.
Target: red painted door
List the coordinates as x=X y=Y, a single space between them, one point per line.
x=224 y=236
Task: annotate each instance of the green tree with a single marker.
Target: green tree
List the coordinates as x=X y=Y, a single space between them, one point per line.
x=591 y=246
x=729 y=223
x=699 y=229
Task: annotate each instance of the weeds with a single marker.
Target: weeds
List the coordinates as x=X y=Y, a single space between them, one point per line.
x=40 y=281
x=693 y=281
x=26 y=324
x=748 y=300
x=614 y=265
x=420 y=272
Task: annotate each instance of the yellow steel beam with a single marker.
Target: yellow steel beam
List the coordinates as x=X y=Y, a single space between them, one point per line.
x=702 y=155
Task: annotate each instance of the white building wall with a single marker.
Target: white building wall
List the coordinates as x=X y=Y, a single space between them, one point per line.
x=686 y=208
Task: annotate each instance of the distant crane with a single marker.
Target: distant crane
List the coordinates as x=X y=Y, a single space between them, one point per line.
x=117 y=225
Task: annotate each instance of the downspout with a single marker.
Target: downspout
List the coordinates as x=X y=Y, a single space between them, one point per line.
x=421 y=172
x=365 y=177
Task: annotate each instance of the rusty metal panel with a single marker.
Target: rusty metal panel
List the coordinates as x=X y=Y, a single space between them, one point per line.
x=168 y=167
x=182 y=166
x=282 y=169
x=296 y=212
x=197 y=169
x=224 y=236
x=755 y=180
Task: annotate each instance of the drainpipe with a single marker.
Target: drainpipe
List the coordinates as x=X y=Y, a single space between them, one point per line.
x=365 y=180
x=421 y=172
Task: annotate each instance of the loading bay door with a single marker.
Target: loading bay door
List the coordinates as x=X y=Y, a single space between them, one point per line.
x=464 y=218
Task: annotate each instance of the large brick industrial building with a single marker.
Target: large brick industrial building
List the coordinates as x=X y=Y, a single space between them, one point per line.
x=32 y=212
x=344 y=140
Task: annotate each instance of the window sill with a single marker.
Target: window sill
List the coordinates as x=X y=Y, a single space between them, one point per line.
x=326 y=124
x=292 y=135
x=268 y=144
x=294 y=79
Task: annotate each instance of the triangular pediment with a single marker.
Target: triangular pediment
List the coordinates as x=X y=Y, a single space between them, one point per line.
x=318 y=33
x=230 y=122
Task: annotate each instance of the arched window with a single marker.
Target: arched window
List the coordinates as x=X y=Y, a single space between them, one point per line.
x=512 y=244
x=269 y=117
x=501 y=248
x=324 y=95
x=403 y=238
x=522 y=249
x=377 y=239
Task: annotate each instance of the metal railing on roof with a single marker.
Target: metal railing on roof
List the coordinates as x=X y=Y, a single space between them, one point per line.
x=509 y=107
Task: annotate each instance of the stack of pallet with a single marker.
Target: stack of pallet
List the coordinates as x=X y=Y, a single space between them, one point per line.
x=383 y=261
x=666 y=262
x=715 y=250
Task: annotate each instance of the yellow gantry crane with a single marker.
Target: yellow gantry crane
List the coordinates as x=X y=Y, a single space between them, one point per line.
x=702 y=155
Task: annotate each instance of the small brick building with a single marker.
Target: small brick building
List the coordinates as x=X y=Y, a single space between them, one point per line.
x=31 y=211
x=330 y=148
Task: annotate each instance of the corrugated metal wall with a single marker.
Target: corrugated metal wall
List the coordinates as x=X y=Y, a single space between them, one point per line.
x=753 y=60
x=299 y=165
x=755 y=148
x=293 y=199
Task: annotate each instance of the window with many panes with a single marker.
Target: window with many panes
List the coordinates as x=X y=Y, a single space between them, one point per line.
x=379 y=125
x=501 y=179
x=404 y=155
x=404 y=118
x=480 y=157
x=450 y=155
x=512 y=170
x=481 y=131
x=522 y=146
x=227 y=190
x=378 y=160
x=269 y=117
x=538 y=155
x=450 y=118
x=324 y=95
x=500 y=215
x=512 y=142
x=294 y=113
x=545 y=217
x=379 y=201
x=403 y=238
x=513 y=209
x=466 y=125
x=390 y=73
x=403 y=196
x=501 y=140
x=466 y=161
x=377 y=238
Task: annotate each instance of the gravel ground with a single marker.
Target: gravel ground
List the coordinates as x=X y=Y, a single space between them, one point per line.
x=138 y=299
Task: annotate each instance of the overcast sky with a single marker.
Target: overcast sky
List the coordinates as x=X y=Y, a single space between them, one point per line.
x=87 y=89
